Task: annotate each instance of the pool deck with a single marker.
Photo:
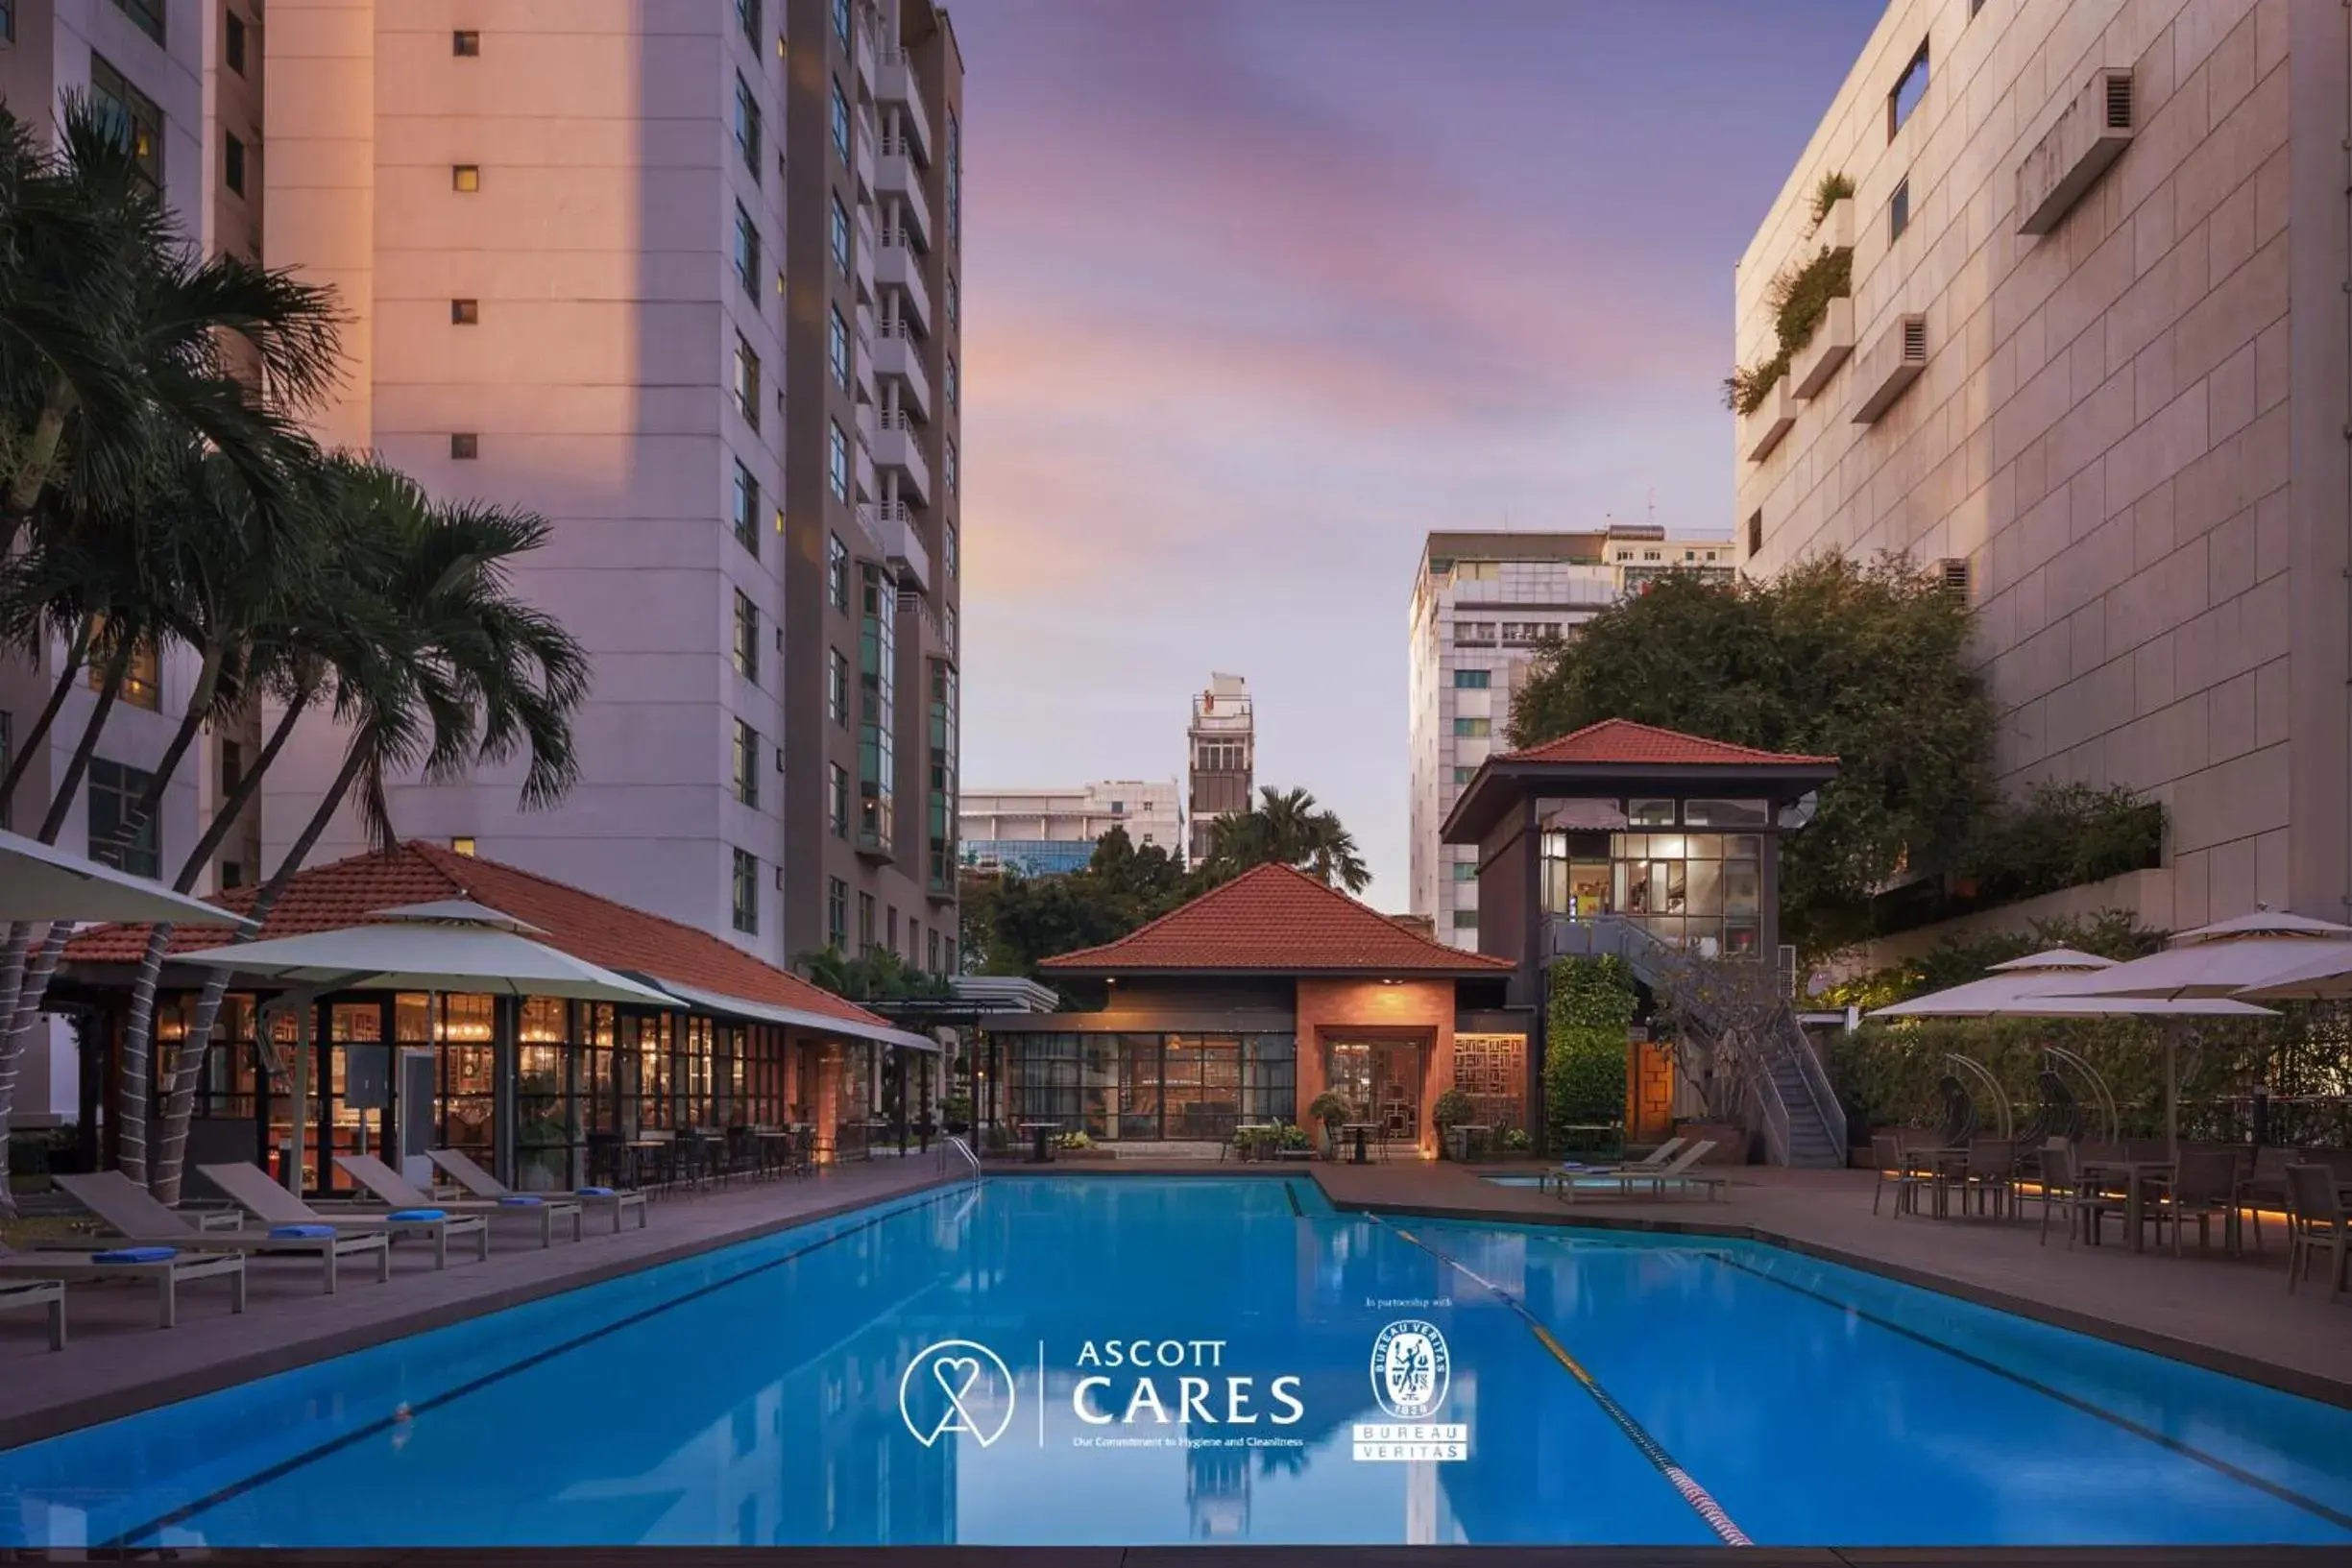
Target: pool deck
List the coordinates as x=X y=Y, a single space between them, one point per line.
x=117 y=1361
x=2232 y=1314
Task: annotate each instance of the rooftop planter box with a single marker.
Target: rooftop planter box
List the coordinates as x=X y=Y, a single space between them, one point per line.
x=2091 y=133
x=1831 y=343
x=1836 y=230
x=1761 y=431
x=1891 y=365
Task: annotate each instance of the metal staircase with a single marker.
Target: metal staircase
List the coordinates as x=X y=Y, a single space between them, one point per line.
x=1731 y=1015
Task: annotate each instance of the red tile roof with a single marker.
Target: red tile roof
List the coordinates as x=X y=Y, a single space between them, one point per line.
x=1622 y=740
x=345 y=892
x=1275 y=920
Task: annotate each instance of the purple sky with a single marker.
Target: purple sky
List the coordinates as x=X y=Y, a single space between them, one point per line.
x=1259 y=292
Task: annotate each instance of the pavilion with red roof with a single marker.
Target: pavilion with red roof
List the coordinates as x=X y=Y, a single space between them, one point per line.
x=535 y=1088
x=1243 y=1005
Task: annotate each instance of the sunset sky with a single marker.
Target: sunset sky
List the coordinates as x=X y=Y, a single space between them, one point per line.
x=1259 y=292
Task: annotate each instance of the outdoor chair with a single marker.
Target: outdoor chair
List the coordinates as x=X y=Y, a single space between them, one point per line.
x=133 y=1211
x=2205 y=1185
x=165 y=1268
x=251 y=1188
x=1680 y=1176
x=396 y=1192
x=1990 y=1177
x=459 y=1166
x=1894 y=1170
x=2063 y=1189
x=1655 y=1160
x=2316 y=1223
x=39 y=1293
x=2264 y=1184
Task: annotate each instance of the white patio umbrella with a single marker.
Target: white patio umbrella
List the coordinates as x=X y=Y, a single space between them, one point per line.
x=450 y=945
x=40 y=882
x=2020 y=989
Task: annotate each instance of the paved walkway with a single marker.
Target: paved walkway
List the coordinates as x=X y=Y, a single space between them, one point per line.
x=2233 y=1315
x=118 y=1361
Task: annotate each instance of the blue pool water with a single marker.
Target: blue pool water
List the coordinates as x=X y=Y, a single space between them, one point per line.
x=1612 y=1389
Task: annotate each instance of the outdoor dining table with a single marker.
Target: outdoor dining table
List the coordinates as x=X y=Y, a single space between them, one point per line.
x=2134 y=1177
x=1465 y=1133
x=1040 y=1132
x=1360 y=1129
x=1944 y=1168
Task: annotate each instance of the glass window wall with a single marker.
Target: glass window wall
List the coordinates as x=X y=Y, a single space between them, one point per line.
x=1149 y=1087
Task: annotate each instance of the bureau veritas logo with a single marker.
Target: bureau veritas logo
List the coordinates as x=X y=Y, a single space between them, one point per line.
x=1412 y=1373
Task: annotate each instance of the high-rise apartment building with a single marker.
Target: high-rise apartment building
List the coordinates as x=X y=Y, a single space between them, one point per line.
x=871 y=515
x=1041 y=833
x=2092 y=362
x=1221 y=752
x=1482 y=606
x=598 y=263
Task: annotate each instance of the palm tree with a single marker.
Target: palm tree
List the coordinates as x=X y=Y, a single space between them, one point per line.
x=1286 y=828
x=454 y=671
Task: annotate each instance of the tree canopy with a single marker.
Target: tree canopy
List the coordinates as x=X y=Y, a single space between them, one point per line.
x=1863 y=661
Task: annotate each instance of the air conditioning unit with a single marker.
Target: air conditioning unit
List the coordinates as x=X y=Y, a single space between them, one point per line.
x=1891 y=363
x=2091 y=134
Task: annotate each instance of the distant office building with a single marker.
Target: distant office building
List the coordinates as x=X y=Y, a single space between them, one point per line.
x=1041 y=833
x=1221 y=745
x=1482 y=606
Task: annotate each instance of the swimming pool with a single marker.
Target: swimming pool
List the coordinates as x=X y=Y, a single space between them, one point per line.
x=1611 y=1389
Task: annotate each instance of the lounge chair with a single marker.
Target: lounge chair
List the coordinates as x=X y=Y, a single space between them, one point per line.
x=165 y=1268
x=459 y=1166
x=1679 y=1174
x=39 y=1293
x=250 y=1187
x=1654 y=1160
x=142 y=1222
x=397 y=1191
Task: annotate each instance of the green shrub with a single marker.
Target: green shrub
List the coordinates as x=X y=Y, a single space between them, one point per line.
x=1832 y=189
x=1452 y=1108
x=1593 y=1001
x=2063 y=836
x=1331 y=1109
x=1797 y=300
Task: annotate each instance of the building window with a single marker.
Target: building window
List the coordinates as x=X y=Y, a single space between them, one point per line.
x=1465 y=871
x=7 y=34
x=836 y=687
x=837 y=573
x=837 y=347
x=951 y=382
x=1756 y=532
x=865 y=923
x=142 y=678
x=8 y=752
x=1473 y=726
x=746 y=509
x=465 y=446
x=746 y=381
x=114 y=795
x=465 y=312
x=1466 y=920
x=948 y=452
x=747 y=13
x=890 y=928
x=1464 y=775
x=232 y=42
x=462 y=846
x=747 y=125
x=233 y=767
x=466 y=44
x=940 y=807
x=1909 y=88
x=876 y=709
x=134 y=116
x=955 y=180
x=837 y=800
x=836 y=460
x=951 y=300
x=746 y=893
x=232 y=162
x=1473 y=680
x=931 y=951
x=838 y=233
x=232 y=875
x=146 y=14
x=1898 y=210
x=746 y=250
x=744 y=760
x=840 y=121
x=466 y=178
x=840 y=22
x=949 y=549
x=746 y=636
x=836 y=913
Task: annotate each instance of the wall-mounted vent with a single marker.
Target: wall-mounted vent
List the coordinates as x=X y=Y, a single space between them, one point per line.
x=2089 y=136
x=1889 y=366
x=1955 y=577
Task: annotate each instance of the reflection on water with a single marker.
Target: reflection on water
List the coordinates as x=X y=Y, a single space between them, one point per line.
x=752 y=1397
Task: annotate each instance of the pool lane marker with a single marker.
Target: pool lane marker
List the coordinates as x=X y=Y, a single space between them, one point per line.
x=405 y=1412
x=2213 y=1461
x=1701 y=1502
x=1292 y=1192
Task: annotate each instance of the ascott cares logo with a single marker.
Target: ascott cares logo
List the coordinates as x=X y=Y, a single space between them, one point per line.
x=957 y=1386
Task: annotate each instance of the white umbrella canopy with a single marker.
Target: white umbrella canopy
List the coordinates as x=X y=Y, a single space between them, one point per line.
x=40 y=882
x=2019 y=987
x=433 y=953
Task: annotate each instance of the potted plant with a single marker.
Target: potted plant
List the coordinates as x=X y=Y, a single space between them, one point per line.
x=1516 y=1142
x=1294 y=1143
x=1452 y=1109
x=1333 y=1111
x=955 y=1112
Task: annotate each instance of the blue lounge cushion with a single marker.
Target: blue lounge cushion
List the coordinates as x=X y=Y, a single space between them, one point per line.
x=596 y=1191
x=300 y=1233
x=136 y=1254
x=418 y=1215
x=522 y=1200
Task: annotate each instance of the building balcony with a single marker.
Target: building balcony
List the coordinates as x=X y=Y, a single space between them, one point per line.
x=1761 y=431
x=898 y=175
x=863 y=255
x=865 y=53
x=1832 y=342
x=903 y=547
x=862 y=142
x=898 y=446
x=899 y=85
x=898 y=267
x=900 y=356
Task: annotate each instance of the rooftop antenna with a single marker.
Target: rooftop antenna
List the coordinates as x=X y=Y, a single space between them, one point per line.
x=1653 y=505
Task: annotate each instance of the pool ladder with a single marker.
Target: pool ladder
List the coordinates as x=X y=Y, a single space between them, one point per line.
x=955 y=1141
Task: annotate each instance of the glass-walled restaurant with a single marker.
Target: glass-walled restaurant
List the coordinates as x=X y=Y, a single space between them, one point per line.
x=586 y=1077
x=1690 y=872
x=1142 y=1087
